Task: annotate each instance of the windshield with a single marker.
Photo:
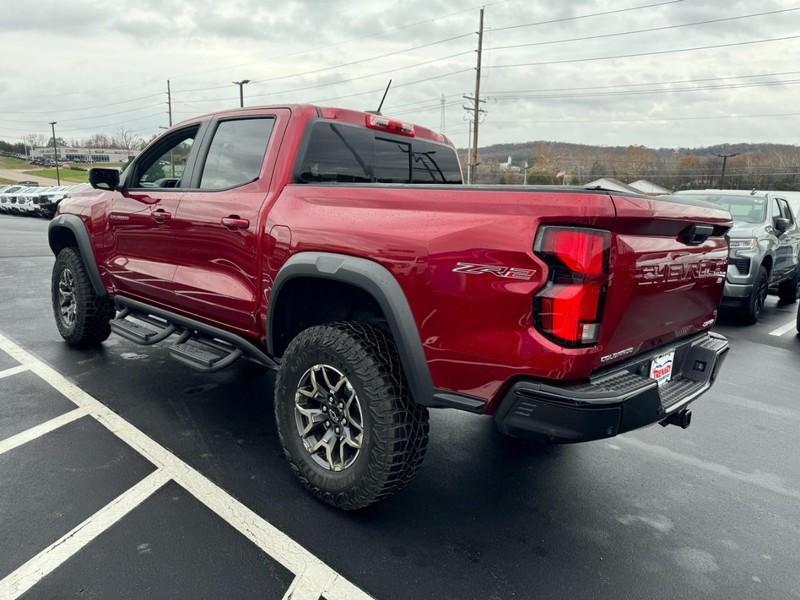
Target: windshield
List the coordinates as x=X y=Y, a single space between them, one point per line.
x=743 y=209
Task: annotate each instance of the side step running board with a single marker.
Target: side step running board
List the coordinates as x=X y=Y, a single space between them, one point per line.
x=134 y=331
x=199 y=345
x=203 y=355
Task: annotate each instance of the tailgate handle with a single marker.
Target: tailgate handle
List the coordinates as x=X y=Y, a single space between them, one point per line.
x=694 y=235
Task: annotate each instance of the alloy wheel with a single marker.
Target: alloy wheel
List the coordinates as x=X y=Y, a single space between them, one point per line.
x=66 y=297
x=329 y=417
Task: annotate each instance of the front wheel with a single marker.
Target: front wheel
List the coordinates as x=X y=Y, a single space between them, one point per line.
x=788 y=290
x=345 y=417
x=758 y=296
x=82 y=316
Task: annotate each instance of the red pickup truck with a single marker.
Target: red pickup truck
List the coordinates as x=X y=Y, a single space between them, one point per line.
x=341 y=249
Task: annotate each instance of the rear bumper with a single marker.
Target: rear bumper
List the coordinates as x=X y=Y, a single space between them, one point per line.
x=615 y=400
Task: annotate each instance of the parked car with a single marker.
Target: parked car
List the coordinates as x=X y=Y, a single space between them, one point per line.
x=340 y=249
x=764 y=249
x=49 y=200
x=10 y=190
x=28 y=201
x=29 y=183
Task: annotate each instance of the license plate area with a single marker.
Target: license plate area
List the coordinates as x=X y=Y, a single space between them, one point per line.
x=662 y=366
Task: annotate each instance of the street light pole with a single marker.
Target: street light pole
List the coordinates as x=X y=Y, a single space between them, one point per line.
x=725 y=158
x=55 y=150
x=241 y=90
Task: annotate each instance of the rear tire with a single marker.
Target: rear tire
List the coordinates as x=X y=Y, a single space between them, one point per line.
x=348 y=360
x=82 y=316
x=788 y=290
x=755 y=303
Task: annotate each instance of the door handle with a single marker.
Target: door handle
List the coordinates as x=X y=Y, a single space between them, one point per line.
x=234 y=222
x=160 y=215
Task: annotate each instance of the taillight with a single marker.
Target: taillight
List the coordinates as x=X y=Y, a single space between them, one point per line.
x=570 y=307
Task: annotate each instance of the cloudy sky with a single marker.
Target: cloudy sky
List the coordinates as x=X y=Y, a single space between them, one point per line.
x=552 y=70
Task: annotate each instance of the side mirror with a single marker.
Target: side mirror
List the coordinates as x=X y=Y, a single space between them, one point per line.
x=781 y=224
x=104 y=179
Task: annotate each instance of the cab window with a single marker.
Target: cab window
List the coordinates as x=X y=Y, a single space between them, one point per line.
x=164 y=165
x=236 y=153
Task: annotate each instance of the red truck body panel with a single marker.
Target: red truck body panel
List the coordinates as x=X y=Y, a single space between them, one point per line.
x=476 y=328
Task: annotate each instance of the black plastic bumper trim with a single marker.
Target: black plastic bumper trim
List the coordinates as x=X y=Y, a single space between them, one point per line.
x=615 y=400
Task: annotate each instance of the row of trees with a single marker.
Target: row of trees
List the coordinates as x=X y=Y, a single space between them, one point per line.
x=764 y=166
x=122 y=138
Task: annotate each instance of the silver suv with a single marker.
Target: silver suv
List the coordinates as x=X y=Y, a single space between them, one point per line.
x=764 y=249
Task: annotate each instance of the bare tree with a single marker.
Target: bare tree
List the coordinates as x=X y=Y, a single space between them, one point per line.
x=125 y=138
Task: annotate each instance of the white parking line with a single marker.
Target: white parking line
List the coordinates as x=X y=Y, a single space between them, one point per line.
x=44 y=563
x=784 y=329
x=313 y=578
x=13 y=371
x=28 y=435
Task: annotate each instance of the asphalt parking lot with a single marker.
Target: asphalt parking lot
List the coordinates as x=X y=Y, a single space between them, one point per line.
x=124 y=474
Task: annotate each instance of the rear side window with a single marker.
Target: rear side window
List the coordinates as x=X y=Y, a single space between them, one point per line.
x=350 y=154
x=236 y=153
x=336 y=153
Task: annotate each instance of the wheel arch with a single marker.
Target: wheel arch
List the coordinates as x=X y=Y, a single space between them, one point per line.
x=69 y=230
x=373 y=281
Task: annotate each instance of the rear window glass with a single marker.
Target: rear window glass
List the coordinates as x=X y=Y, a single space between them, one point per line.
x=349 y=154
x=743 y=209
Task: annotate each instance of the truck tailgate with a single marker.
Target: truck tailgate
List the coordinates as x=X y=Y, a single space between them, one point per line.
x=665 y=282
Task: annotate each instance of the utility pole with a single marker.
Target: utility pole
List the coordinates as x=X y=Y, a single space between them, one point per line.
x=724 y=158
x=476 y=110
x=241 y=90
x=525 y=178
x=55 y=150
x=169 y=115
x=441 y=116
x=169 y=103
x=469 y=150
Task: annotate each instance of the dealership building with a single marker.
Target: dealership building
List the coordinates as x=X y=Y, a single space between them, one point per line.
x=86 y=155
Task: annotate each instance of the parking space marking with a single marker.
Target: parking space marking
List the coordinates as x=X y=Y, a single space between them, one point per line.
x=784 y=329
x=28 y=574
x=13 y=371
x=23 y=437
x=313 y=578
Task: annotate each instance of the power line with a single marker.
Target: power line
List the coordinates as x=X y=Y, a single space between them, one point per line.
x=82 y=108
x=646 y=92
x=111 y=114
x=644 y=84
x=585 y=16
x=652 y=119
x=648 y=30
x=381 y=34
x=347 y=64
x=652 y=53
x=340 y=81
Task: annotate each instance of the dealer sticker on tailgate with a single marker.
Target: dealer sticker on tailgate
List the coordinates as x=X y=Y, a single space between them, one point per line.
x=661 y=367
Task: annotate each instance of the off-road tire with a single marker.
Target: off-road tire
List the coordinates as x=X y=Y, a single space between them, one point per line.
x=787 y=290
x=755 y=303
x=92 y=312
x=395 y=427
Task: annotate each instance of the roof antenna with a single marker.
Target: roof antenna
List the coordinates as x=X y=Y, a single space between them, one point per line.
x=380 y=106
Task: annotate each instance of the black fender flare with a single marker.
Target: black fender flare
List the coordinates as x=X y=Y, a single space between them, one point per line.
x=378 y=281
x=76 y=227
